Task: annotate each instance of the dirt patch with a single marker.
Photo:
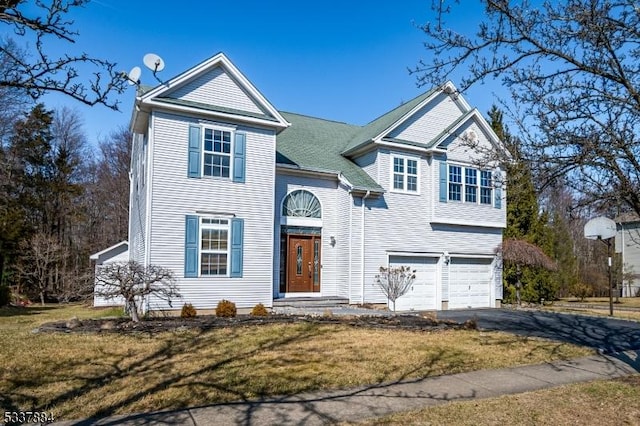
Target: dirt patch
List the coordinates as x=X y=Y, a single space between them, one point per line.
x=208 y=322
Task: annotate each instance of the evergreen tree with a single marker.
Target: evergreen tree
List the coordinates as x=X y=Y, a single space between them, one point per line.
x=524 y=221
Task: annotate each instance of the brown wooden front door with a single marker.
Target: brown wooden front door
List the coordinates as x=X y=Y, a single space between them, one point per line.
x=303 y=263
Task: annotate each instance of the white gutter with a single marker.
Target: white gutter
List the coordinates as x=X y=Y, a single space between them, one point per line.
x=364 y=197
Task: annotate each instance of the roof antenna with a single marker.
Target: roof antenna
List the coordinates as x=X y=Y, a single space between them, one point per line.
x=154 y=63
x=133 y=77
x=151 y=61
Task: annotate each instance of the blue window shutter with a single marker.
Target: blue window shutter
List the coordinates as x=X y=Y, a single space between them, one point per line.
x=237 y=235
x=498 y=198
x=443 y=181
x=193 y=169
x=239 y=156
x=191 y=247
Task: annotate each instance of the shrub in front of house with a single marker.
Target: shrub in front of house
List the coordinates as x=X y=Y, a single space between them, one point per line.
x=188 y=311
x=259 y=311
x=226 y=309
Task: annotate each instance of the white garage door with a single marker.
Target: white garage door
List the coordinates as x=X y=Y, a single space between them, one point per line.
x=422 y=295
x=469 y=283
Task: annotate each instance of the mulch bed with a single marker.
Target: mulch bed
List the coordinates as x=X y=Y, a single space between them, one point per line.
x=208 y=322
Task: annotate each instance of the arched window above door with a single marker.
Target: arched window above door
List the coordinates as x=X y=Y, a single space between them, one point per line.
x=301 y=203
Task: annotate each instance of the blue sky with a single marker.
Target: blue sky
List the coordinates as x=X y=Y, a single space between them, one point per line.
x=339 y=60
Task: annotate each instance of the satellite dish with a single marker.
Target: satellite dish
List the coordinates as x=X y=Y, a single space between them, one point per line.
x=600 y=228
x=153 y=62
x=134 y=75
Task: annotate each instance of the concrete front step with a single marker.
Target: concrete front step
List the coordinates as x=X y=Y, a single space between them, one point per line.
x=310 y=302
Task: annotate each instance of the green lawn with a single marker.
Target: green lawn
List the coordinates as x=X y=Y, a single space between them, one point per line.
x=80 y=375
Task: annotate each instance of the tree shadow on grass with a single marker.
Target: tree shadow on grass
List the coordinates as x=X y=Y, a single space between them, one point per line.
x=13 y=311
x=146 y=374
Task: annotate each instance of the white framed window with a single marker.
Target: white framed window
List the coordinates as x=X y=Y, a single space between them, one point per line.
x=455 y=183
x=214 y=246
x=404 y=174
x=469 y=185
x=486 y=188
x=216 y=152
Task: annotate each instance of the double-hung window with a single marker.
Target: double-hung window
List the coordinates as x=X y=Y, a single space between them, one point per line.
x=214 y=246
x=404 y=174
x=486 y=188
x=476 y=186
x=217 y=153
x=470 y=185
x=455 y=183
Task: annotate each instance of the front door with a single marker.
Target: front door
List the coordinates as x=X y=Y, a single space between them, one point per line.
x=303 y=263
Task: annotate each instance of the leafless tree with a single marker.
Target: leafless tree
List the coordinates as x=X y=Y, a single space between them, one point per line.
x=40 y=257
x=133 y=282
x=35 y=71
x=395 y=282
x=521 y=253
x=573 y=69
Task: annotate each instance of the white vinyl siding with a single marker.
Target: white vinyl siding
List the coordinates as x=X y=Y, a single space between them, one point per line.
x=176 y=196
x=137 y=203
x=429 y=122
x=216 y=88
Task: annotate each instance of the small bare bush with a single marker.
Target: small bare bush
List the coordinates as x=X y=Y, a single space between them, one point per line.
x=395 y=282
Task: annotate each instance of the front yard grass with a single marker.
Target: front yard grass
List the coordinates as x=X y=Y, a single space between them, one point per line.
x=603 y=403
x=82 y=375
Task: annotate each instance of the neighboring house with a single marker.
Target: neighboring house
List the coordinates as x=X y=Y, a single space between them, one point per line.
x=247 y=203
x=628 y=244
x=116 y=253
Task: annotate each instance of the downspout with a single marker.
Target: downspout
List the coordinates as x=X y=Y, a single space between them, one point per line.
x=350 y=278
x=364 y=197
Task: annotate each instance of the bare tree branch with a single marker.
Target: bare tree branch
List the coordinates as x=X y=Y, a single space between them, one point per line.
x=133 y=282
x=573 y=70
x=38 y=73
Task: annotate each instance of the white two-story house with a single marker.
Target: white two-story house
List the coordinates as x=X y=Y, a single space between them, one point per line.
x=250 y=204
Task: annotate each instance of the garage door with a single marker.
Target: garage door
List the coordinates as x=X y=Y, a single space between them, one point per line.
x=422 y=295
x=469 y=283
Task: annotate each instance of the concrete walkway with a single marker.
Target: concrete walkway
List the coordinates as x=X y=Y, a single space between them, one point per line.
x=320 y=408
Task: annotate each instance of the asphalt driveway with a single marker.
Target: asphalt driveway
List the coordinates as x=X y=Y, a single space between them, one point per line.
x=604 y=334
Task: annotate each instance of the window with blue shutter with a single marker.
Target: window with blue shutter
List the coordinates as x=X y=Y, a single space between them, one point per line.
x=192 y=235
x=443 y=181
x=212 y=154
x=498 y=202
x=237 y=236
x=193 y=168
x=239 y=157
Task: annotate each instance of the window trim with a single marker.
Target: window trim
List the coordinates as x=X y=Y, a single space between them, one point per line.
x=490 y=187
x=203 y=151
x=202 y=226
x=463 y=185
x=405 y=174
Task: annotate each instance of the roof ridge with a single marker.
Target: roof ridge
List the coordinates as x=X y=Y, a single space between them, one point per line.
x=318 y=118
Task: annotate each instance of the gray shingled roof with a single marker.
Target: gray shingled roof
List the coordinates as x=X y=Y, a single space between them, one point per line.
x=316 y=144
x=377 y=126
